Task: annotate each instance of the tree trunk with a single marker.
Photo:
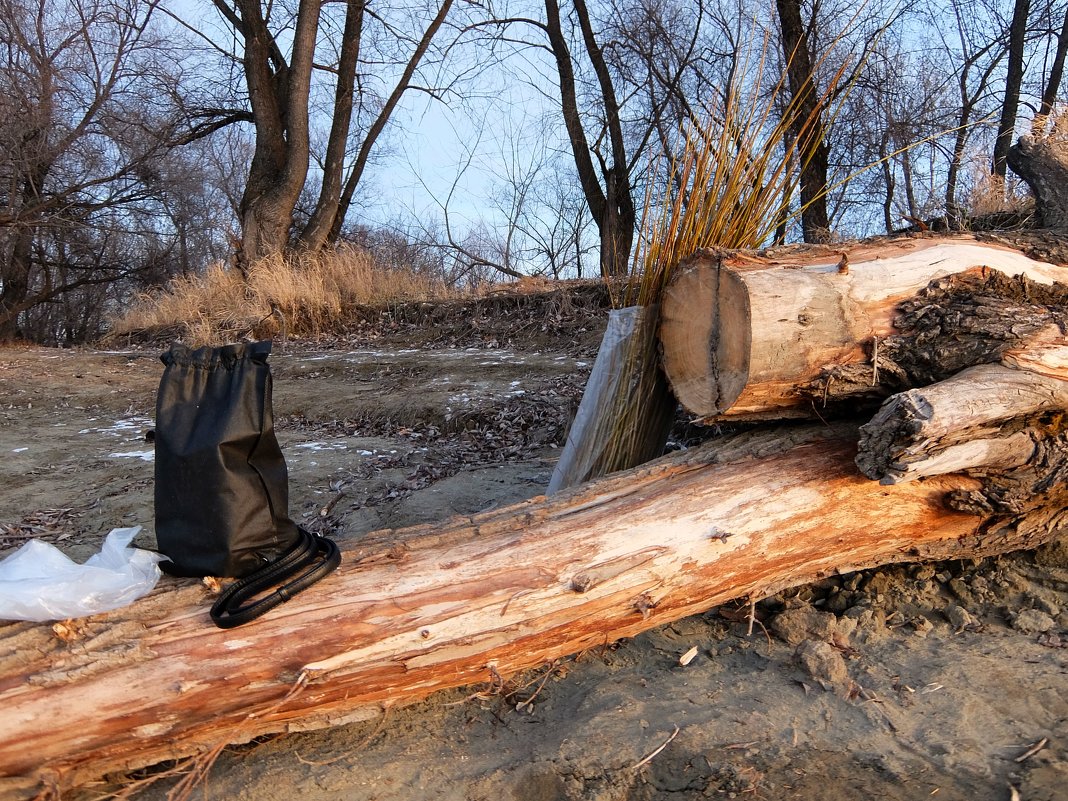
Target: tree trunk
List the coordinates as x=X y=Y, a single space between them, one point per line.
x=317 y=231
x=808 y=122
x=472 y=601
x=341 y=207
x=1053 y=82
x=811 y=332
x=279 y=95
x=1013 y=82
x=15 y=283
x=1043 y=163
x=611 y=206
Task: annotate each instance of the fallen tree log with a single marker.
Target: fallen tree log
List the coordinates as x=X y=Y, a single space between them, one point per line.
x=801 y=333
x=472 y=600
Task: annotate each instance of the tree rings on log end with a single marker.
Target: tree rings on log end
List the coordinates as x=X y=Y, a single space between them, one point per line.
x=706 y=355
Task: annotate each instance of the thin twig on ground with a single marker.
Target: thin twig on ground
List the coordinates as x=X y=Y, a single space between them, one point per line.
x=646 y=759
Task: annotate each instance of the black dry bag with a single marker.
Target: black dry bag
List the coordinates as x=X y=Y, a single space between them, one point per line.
x=222 y=490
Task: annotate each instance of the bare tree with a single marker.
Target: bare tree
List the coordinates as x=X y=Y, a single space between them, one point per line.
x=975 y=54
x=286 y=52
x=808 y=123
x=611 y=108
x=1052 y=86
x=606 y=185
x=82 y=126
x=1013 y=82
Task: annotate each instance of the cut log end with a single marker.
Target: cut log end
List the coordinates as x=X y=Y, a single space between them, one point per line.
x=707 y=370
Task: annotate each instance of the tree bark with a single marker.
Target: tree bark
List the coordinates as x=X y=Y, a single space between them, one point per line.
x=811 y=332
x=1013 y=81
x=1043 y=163
x=279 y=94
x=807 y=124
x=472 y=601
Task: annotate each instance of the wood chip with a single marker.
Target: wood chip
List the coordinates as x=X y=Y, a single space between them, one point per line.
x=688 y=657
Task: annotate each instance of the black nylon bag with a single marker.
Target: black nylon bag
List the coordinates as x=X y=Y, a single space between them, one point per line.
x=222 y=490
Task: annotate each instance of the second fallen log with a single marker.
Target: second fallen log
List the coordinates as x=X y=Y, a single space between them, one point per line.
x=787 y=333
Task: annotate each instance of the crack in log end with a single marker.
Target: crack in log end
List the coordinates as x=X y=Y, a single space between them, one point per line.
x=715 y=340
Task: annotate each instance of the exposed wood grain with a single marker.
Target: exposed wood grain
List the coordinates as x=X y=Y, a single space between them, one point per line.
x=454 y=604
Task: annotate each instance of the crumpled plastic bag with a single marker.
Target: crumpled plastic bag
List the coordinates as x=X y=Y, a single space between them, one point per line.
x=39 y=582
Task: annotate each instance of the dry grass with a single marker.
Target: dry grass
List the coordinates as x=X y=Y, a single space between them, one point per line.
x=307 y=296
x=990 y=195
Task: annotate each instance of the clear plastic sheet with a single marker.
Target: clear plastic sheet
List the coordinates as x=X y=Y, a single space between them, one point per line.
x=39 y=582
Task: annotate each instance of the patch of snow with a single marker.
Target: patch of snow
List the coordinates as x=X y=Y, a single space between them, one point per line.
x=323 y=446
x=144 y=456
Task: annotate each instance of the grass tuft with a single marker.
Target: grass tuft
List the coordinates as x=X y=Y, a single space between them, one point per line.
x=731 y=182
x=286 y=296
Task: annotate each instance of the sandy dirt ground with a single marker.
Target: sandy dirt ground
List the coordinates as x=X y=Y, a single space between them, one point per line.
x=945 y=681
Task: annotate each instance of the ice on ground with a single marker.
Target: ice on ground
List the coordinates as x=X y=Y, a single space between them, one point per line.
x=144 y=456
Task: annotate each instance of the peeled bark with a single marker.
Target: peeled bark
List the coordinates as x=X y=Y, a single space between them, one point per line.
x=470 y=601
x=793 y=333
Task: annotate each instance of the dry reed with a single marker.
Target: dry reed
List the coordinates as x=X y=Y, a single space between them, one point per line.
x=733 y=179
x=289 y=296
x=729 y=186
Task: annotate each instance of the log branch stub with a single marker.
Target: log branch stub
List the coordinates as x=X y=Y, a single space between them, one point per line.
x=987 y=417
x=988 y=356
